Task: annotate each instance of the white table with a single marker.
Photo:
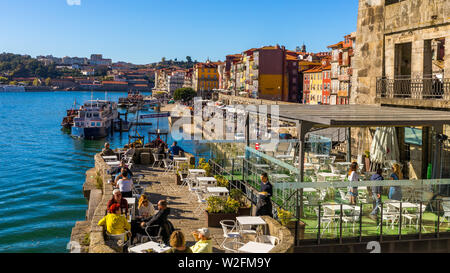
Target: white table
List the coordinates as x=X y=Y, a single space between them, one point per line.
x=254 y=247
x=130 y=200
x=405 y=205
x=206 y=181
x=250 y=220
x=338 y=207
x=309 y=190
x=113 y=163
x=343 y=163
x=180 y=159
x=149 y=245
x=333 y=175
x=220 y=191
x=196 y=171
x=131 y=208
x=261 y=166
x=279 y=176
x=110 y=157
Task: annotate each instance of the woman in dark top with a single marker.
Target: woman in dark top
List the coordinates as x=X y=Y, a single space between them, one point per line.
x=264 y=204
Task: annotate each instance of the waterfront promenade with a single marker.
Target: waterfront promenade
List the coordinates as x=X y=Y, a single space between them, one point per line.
x=160 y=186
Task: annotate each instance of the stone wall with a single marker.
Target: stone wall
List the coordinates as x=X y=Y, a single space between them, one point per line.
x=230 y=100
x=287 y=242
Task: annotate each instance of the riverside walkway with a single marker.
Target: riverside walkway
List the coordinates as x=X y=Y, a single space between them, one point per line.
x=182 y=204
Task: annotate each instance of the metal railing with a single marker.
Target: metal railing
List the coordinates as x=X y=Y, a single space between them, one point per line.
x=347 y=223
x=420 y=88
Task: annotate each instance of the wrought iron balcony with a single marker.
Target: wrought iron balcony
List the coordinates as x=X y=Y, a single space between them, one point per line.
x=418 y=88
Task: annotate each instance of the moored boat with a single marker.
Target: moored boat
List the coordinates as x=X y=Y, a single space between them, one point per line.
x=95 y=119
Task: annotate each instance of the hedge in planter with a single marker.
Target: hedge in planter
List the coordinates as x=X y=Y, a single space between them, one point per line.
x=220 y=209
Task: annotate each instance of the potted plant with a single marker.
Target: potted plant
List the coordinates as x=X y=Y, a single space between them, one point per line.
x=220 y=209
x=244 y=208
x=287 y=220
x=203 y=164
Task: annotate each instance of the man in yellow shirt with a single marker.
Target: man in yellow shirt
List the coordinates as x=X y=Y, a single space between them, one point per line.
x=203 y=238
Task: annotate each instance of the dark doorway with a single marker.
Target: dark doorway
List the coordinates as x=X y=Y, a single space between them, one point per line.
x=402 y=67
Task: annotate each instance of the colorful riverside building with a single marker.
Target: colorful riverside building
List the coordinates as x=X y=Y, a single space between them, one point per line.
x=269 y=72
x=313 y=91
x=341 y=71
x=205 y=77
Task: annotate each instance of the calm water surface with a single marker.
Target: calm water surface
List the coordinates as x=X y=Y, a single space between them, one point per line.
x=43 y=169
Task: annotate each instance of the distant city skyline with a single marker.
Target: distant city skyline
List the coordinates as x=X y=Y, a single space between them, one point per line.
x=143 y=32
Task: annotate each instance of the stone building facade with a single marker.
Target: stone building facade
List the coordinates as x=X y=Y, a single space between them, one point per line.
x=401 y=58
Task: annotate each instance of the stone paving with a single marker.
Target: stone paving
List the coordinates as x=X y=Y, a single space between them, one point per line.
x=182 y=203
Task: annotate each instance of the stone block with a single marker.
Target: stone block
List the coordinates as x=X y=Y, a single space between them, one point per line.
x=145 y=158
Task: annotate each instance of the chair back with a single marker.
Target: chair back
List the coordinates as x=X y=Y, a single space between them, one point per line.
x=328 y=212
x=445 y=208
x=227 y=226
x=268 y=239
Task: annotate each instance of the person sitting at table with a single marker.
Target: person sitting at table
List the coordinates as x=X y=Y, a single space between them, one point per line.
x=118 y=199
x=107 y=151
x=175 y=150
x=145 y=208
x=162 y=150
x=115 y=222
x=264 y=204
x=353 y=176
x=159 y=220
x=178 y=243
x=395 y=192
x=376 y=193
x=117 y=170
x=124 y=184
x=203 y=238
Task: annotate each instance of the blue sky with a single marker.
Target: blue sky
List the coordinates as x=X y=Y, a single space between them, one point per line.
x=144 y=31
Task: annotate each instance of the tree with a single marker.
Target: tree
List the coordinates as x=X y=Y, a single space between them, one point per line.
x=184 y=94
x=163 y=59
x=3 y=80
x=189 y=59
x=35 y=82
x=48 y=81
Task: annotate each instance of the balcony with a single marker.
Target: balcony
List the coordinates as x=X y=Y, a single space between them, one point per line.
x=420 y=88
x=344 y=77
x=342 y=93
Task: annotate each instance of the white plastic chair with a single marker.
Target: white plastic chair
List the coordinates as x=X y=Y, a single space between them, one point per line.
x=268 y=239
x=168 y=165
x=229 y=231
x=232 y=246
x=446 y=209
x=158 y=158
x=121 y=240
x=202 y=203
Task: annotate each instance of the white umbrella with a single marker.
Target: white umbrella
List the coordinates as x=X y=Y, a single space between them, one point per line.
x=384 y=146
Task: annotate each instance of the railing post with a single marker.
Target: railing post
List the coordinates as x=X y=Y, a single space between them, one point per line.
x=340 y=226
x=318 y=224
x=420 y=220
x=360 y=222
x=381 y=223
x=296 y=224
x=400 y=222
x=439 y=217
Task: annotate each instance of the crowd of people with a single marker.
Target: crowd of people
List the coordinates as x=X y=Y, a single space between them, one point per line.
x=148 y=223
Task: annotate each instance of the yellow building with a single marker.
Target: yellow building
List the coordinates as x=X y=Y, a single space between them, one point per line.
x=206 y=76
x=315 y=84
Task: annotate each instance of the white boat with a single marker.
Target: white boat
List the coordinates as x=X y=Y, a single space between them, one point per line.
x=12 y=88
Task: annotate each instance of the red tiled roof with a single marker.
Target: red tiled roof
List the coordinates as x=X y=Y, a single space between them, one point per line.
x=114 y=82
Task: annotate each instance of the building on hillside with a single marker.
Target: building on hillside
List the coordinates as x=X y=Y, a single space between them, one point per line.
x=175 y=81
x=97 y=59
x=326 y=83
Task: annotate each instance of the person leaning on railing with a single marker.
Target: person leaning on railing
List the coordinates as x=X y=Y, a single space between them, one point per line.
x=395 y=192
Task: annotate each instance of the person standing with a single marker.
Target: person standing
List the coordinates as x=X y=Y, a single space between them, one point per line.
x=353 y=176
x=264 y=204
x=395 y=192
x=376 y=193
x=175 y=150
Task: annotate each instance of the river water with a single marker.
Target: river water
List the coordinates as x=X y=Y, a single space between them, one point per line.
x=43 y=169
